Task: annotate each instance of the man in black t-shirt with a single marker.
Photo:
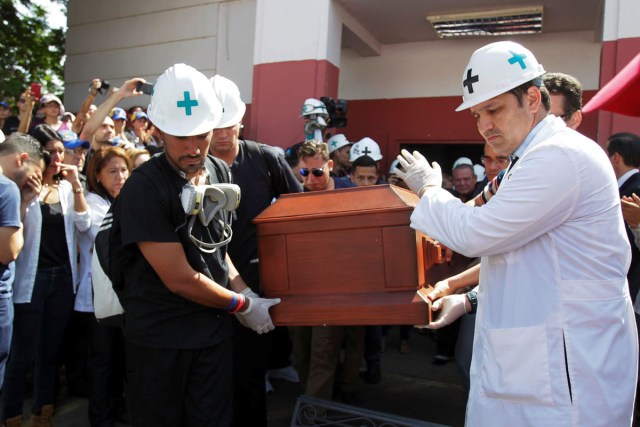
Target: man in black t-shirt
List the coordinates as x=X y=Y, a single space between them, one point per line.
x=177 y=272
x=262 y=176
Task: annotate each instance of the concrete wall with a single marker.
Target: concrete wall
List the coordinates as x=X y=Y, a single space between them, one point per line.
x=119 y=39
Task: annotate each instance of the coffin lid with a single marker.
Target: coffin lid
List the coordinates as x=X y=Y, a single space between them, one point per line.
x=340 y=202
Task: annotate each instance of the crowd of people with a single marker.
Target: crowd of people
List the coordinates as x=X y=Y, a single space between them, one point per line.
x=531 y=262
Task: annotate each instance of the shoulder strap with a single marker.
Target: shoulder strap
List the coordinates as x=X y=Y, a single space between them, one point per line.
x=219 y=169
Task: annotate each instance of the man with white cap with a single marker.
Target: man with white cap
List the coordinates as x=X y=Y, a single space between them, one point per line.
x=174 y=214
x=555 y=340
x=339 y=150
x=262 y=175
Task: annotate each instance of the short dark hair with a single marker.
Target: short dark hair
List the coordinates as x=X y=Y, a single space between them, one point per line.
x=464 y=166
x=291 y=154
x=520 y=91
x=45 y=133
x=364 y=161
x=97 y=162
x=19 y=142
x=567 y=86
x=626 y=144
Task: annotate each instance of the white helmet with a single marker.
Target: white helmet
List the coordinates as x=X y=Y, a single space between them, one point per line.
x=184 y=103
x=228 y=94
x=365 y=147
x=495 y=69
x=394 y=165
x=337 y=141
x=462 y=161
x=314 y=106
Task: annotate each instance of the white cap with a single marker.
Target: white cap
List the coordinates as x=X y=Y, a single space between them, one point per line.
x=495 y=69
x=462 y=161
x=184 y=102
x=394 y=165
x=51 y=97
x=228 y=94
x=336 y=142
x=365 y=147
x=479 y=171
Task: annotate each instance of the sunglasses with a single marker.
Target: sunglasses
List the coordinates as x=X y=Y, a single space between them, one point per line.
x=317 y=172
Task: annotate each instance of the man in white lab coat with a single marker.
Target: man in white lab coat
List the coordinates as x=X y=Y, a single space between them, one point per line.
x=555 y=340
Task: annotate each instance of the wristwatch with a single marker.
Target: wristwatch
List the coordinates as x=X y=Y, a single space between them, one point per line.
x=472 y=296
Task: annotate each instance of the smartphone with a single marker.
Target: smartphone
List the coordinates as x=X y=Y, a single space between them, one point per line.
x=144 y=87
x=36 y=91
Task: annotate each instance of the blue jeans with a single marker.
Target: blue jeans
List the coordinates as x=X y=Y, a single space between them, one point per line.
x=38 y=329
x=6 y=326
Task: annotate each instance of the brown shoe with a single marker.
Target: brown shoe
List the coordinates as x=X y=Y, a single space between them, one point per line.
x=13 y=422
x=404 y=347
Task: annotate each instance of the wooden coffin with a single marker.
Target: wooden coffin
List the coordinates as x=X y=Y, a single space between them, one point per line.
x=345 y=257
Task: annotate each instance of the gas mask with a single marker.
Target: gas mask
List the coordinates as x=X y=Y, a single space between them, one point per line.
x=210 y=204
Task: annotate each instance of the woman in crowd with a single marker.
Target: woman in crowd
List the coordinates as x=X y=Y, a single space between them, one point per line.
x=107 y=172
x=53 y=111
x=45 y=283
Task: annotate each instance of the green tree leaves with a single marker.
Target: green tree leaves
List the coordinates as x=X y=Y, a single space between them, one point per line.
x=30 y=51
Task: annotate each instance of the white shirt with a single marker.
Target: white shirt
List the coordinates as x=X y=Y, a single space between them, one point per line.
x=27 y=261
x=626 y=176
x=553 y=277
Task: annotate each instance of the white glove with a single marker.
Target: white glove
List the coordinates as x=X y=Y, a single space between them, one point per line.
x=257 y=317
x=452 y=306
x=248 y=292
x=417 y=173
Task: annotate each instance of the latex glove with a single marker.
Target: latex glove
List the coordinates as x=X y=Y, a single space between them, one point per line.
x=417 y=173
x=451 y=308
x=248 y=292
x=257 y=317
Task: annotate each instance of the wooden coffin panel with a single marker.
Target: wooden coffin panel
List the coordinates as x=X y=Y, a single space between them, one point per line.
x=380 y=308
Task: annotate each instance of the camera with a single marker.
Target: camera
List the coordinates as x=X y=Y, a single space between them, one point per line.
x=337 y=109
x=103 y=88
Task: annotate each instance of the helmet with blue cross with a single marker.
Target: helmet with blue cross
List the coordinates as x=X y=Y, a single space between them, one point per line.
x=495 y=69
x=184 y=103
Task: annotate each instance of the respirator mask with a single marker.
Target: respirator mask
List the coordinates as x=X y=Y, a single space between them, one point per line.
x=211 y=204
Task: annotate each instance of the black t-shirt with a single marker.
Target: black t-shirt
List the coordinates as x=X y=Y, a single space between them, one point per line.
x=261 y=178
x=151 y=211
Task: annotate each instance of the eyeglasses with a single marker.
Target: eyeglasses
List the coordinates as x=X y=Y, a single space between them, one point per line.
x=317 y=172
x=501 y=161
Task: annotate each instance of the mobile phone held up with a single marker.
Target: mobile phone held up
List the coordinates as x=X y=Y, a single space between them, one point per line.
x=36 y=91
x=144 y=87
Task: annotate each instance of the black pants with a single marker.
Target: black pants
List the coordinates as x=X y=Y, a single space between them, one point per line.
x=106 y=373
x=172 y=388
x=251 y=359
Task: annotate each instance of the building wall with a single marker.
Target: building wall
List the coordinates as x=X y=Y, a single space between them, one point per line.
x=118 y=40
x=404 y=95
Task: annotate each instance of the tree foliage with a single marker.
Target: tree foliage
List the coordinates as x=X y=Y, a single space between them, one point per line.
x=30 y=51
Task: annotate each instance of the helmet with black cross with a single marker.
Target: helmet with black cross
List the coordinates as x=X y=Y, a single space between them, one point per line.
x=184 y=103
x=495 y=69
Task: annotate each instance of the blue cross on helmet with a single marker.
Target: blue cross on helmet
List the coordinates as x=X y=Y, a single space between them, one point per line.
x=495 y=69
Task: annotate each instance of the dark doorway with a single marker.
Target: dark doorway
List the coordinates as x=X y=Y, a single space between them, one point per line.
x=446 y=153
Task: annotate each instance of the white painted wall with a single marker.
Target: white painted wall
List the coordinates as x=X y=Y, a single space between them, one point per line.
x=295 y=30
x=118 y=40
x=621 y=19
x=432 y=69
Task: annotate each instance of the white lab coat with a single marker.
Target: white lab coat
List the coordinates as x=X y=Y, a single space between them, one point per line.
x=552 y=288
